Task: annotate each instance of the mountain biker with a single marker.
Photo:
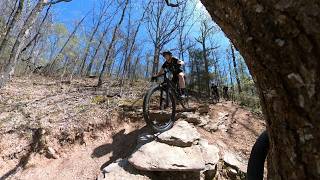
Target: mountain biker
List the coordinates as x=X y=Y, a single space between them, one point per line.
x=214 y=91
x=174 y=66
x=225 y=92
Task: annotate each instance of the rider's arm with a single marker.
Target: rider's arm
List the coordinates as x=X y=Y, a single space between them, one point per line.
x=180 y=62
x=159 y=73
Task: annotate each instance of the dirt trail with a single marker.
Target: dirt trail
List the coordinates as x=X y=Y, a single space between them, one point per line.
x=81 y=161
x=85 y=161
x=241 y=128
x=69 y=107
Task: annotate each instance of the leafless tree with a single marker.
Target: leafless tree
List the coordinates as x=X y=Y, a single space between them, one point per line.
x=206 y=30
x=23 y=33
x=162 y=24
x=131 y=43
x=10 y=25
x=52 y=62
x=187 y=22
x=101 y=41
x=235 y=68
x=102 y=14
x=111 y=43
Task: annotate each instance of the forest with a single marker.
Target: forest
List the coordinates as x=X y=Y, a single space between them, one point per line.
x=112 y=40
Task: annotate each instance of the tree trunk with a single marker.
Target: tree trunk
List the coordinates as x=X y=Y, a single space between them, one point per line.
x=156 y=57
x=198 y=77
x=235 y=69
x=126 y=68
x=111 y=44
x=206 y=66
x=12 y=13
x=147 y=70
x=281 y=44
x=134 y=69
x=10 y=26
x=191 y=69
x=16 y=49
x=88 y=45
x=96 y=52
x=51 y=65
x=231 y=80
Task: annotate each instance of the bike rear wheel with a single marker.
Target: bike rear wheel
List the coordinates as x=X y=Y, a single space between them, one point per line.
x=159 y=109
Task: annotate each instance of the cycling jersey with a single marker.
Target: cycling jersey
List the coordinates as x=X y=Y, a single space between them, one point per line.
x=174 y=67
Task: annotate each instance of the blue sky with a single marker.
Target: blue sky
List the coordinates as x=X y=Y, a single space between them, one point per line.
x=76 y=9
x=68 y=13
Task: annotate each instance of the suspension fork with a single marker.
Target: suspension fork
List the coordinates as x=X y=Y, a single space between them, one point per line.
x=164 y=101
x=167 y=96
x=161 y=98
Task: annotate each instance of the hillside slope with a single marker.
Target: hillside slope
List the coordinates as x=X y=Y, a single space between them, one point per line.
x=71 y=131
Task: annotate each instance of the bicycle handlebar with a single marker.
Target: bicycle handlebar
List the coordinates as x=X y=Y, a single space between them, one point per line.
x=154 y=78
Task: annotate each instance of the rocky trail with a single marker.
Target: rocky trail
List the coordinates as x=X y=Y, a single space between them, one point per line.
x=65 y=131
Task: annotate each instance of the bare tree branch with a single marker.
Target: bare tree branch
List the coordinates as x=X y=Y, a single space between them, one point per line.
x=56 y=1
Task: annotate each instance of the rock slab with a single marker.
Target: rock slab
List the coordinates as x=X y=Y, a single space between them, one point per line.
x=210 y=154
x=155 y=156
x=182 y=134
x=121 y=170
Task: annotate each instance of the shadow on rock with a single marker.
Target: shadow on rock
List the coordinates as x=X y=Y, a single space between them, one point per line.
x=122 y=146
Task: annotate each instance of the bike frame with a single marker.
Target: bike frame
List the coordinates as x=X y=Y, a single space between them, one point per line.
x=170 y=88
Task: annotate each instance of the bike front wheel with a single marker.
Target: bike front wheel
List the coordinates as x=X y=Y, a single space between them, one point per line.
x=159 y=109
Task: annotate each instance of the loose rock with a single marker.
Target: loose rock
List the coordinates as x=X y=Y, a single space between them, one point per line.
x=193 y=118
x=211 y=127
x=182 y=134
x=51 y=153
x=203 y=109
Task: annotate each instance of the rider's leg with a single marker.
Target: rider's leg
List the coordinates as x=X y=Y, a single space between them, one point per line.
x=182 y=83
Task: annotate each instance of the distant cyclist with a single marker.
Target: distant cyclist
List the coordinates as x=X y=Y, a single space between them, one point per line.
x=215 y=92
x=174 y=65
x=225 y=92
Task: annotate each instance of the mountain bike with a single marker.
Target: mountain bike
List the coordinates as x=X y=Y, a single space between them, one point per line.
x=160 y=101
x=214 y=94
x=215 y=97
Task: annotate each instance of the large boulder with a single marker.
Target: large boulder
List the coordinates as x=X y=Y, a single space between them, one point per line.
x=155 y=156
x=182 y=134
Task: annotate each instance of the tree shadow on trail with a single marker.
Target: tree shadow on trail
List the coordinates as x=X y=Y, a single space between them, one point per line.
x=35 y=146
x=122 y=146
